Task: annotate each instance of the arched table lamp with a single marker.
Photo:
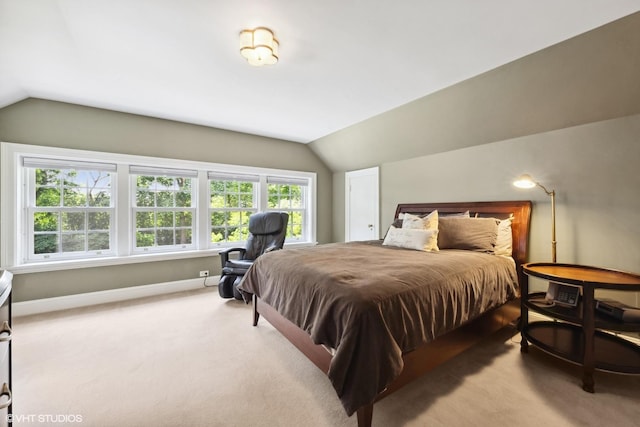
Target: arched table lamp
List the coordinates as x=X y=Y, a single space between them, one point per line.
x=525 y=181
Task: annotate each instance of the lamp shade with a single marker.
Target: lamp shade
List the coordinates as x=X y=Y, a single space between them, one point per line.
x=524 y=181
x=259 y=46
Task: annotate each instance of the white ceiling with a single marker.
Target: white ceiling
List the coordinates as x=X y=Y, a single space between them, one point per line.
x=341 y=61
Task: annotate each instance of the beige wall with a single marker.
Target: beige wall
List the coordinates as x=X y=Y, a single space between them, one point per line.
x=586 y=79
x=41 y=122
x=568 y=115
x=593 y=169
x=596 y=184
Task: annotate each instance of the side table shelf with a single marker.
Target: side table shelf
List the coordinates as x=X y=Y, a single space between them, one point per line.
x=579 y=334
x=564 y=340
x=574 y=315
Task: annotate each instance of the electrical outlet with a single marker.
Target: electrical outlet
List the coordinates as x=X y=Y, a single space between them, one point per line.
x=204 y=273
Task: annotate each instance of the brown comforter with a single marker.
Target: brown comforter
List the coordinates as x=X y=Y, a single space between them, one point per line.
x=372 y=303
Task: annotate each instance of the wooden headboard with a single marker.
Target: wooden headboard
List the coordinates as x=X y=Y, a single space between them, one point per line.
x=519 y=209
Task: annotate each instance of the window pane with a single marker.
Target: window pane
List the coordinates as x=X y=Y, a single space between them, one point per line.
x=165 y=182
x=47 y=196
x=246 y=201
x=183 y=219
x=296 y=197
x=144 y=239
x=231 y=186
x=216 y=186
x=231 y=201
x=217 y=234
x=47 y=177
x=183 y=184
x=273 y=196
x=164 y=237
x=71 y=178
x=73 y=221
x=72 y=242
x=144 y=182
x=100 y=198
x=295 y=224
x=164 y=199
x=45 y=243
x=99 y=179
x=144 y=198
x=183 y=199
x=45 y=221
x=144 y=219
x=74 y=197
x=164 y=219
x=219 y=218
x=98 y=241
x=217 y=201
x=99 y=220
x=183 y=236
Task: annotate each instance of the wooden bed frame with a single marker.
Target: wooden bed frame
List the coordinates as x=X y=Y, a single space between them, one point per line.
x=427 y=357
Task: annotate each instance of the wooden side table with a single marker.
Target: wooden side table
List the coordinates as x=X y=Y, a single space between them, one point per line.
x=582 y=336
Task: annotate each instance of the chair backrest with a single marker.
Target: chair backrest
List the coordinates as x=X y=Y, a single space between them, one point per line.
x=267 y=231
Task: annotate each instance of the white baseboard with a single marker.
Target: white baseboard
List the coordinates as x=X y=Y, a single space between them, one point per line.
x=46 y=305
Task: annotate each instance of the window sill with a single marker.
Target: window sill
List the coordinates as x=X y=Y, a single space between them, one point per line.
x=41 y=267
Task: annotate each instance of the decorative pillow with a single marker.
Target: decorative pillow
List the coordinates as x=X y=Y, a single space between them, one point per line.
x=429 y=222
x=464 y=214
x=504 y=241
x=397 y=223
x=474 y=234
x=411 y=238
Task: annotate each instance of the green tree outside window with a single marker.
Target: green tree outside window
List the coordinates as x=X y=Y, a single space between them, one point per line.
x=163 y=212
x=231 y=203
x=67 y=214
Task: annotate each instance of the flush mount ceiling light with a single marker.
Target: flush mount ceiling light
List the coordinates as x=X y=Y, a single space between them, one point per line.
x=258 y=46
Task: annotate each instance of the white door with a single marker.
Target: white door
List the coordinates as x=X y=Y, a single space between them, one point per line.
x=361 y=205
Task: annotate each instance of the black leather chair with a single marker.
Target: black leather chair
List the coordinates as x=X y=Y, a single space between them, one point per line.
x=267 y=231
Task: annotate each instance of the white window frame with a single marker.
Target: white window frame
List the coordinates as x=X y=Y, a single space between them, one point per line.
x=30 y=164
x=134 y=172
x=304 y=210
x=221 y=176
x=14 y=225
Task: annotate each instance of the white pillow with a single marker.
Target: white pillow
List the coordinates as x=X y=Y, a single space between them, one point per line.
x=429 y=222
x=504 y=243
x=411 y=238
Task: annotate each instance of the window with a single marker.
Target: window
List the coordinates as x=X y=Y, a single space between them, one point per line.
x=63 y=209
x=232 y=199
x=289 y=195
x=69 y=208
x=163 y=208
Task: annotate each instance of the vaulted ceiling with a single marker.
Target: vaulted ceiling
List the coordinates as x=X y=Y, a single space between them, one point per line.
x=341 y=61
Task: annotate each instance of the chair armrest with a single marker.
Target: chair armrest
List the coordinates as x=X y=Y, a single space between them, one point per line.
x=224 y=254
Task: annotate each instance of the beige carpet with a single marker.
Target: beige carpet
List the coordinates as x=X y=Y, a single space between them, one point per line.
x=193 y=359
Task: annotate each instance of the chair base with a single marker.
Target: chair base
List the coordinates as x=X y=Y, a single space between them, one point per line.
x=228 y=286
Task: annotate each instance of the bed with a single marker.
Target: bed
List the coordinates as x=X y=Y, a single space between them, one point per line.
x=374 y=317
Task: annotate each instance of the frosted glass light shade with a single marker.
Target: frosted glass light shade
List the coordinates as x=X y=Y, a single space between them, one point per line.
x=258 y=46
x=524 y=181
